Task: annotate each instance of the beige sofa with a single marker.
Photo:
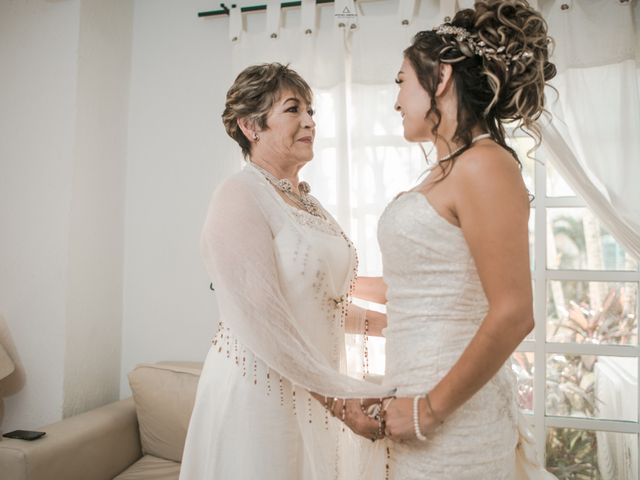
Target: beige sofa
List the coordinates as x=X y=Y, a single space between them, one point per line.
x=12 y=374
x=140 y=438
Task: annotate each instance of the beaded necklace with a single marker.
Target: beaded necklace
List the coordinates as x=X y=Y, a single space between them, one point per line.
x=303 y=199
x=457 y=150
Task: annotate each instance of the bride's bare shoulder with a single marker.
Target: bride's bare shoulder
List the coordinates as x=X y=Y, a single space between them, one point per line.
x=487 y=165
x=486 y=157
x=488 y=174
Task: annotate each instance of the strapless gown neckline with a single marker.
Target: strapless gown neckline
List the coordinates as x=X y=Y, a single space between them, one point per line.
x=429 y=206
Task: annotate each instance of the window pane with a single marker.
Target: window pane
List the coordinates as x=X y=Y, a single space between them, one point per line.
x=522 y=145
x=379 y=173
x=556 y=186
x=585 y=454
x=523 y=367
x=577 y=241
x=532 y=239
x=372 y=111
x=364 y=236
x=322 y=173
x=592 y=312
x=592 y=386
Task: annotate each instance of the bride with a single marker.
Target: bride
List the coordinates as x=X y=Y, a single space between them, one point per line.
x=457 y=283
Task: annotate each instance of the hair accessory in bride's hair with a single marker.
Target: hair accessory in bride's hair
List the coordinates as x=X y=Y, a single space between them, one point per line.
x=448 y=29
x=464 y=37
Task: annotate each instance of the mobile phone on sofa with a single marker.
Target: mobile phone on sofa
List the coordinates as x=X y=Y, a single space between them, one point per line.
x=24 y=434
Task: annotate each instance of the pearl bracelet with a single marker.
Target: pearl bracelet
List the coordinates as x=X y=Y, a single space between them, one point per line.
x=416 y=419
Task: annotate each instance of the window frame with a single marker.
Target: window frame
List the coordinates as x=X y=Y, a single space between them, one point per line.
x=539 y=345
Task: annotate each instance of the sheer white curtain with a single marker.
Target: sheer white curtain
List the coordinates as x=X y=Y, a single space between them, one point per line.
x=593 y=138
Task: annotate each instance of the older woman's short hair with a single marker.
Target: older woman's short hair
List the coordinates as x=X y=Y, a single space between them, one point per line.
x=254 y=92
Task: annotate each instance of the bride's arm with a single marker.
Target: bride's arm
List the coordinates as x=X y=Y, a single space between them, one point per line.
x=494 y=224
x=356 y=317
x=372 y=289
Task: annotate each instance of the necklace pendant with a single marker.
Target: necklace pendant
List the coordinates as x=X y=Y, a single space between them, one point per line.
x=302 y=198
x=285 y=185
x=304 y=188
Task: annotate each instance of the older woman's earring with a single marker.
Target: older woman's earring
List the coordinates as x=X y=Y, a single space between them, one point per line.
x=256 y=138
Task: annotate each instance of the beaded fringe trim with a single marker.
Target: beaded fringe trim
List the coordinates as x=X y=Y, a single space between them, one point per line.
x=223 y=337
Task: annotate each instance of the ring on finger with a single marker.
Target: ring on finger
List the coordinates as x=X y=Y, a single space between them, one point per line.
x=333 y=402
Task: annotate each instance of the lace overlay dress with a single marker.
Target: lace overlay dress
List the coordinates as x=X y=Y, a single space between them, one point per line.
x=270 y=262
x=435 y=306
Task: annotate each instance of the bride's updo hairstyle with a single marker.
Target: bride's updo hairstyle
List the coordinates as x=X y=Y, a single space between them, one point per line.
x=499 y=53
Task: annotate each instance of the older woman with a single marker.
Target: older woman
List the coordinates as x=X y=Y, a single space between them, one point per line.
x=283 y=271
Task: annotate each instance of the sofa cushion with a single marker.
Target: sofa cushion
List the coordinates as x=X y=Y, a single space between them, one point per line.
x=151 y=468
x=94 y=445
x=164 y=394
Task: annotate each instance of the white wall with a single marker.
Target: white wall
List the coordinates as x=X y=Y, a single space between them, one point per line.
x=96 y=231
x=37 y=112
x=177 y=152
x=63 y=104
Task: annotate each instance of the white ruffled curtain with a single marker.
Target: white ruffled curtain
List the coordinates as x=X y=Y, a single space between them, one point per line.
x=593 y=139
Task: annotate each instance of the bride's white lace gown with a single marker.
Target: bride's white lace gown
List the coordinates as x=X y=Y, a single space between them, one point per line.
x=435 y=306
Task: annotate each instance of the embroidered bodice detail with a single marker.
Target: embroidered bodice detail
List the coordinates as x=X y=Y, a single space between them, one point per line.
x=435 y=306
x=324 y=225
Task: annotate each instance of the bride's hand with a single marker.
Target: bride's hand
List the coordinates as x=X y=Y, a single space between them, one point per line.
x=352 y=413
x=399 y=420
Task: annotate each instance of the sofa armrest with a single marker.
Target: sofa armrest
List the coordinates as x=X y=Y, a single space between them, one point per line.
x=96 y=445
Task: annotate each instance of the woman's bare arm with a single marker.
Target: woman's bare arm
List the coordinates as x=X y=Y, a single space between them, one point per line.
x=493 y=208
x=356 y=317
x=372 y=289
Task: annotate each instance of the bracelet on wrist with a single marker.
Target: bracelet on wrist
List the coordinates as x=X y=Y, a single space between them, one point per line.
x=416 y=418
x=430 y=411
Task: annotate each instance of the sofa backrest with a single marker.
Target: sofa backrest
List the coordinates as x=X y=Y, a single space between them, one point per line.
x=164 y=394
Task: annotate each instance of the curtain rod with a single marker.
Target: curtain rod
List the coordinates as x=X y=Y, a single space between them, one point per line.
x=254 y=8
